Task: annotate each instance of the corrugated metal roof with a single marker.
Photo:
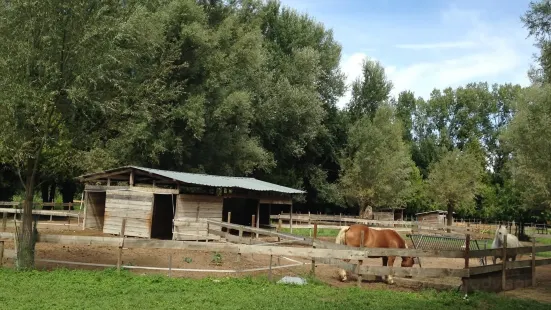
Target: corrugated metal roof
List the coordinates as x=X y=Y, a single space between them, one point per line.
x=219 y=181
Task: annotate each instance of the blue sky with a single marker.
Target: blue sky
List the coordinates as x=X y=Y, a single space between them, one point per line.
x=427 y=44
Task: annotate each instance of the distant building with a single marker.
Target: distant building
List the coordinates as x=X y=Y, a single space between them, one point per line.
x=432 y=217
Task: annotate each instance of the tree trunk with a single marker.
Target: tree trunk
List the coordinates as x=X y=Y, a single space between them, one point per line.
x=26 y=234
x=366 y=212
x=68 y=190
x=449 y=216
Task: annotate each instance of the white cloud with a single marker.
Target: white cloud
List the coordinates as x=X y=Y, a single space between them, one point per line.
x=440 y=45
x=494 y=54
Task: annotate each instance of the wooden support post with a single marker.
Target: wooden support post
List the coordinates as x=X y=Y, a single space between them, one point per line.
x=4 y=220
x=252 y=225
x=360 y=262
x=467 y=257
x=309 y=218
x=240 y=241
x=291 y=218
x=228 y=230
x=119 y=259
x=131 y=180
x=313 y=259
x=533 y=261
x=1 y=253
x=279 y=223
x=257 y=217
x=109 y=181
x=270 y=215
x=504 y=263
x=270 y=270
x=169 y=264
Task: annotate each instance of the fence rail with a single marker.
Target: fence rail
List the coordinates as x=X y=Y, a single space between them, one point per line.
x=318 y=251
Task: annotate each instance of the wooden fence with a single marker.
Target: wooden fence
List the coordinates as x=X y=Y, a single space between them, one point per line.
x=321 y=252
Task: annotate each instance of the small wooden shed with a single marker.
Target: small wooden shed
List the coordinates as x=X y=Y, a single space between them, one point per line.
x=437 y=217
x=390 y=214
x=175 y=205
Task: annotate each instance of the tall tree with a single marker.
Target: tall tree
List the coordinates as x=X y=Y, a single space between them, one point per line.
x=369 y=91
x=527 y=137
x=454 y=181
x=67 y=61
x=537 y=19
x=377 y=170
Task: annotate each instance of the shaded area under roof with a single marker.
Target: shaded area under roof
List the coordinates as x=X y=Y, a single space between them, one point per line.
x=207 y=180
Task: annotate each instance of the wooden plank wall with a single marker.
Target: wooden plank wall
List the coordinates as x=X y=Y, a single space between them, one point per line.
x=135 y=206
x=94 y=210
x=383 y=216
x=192 y=212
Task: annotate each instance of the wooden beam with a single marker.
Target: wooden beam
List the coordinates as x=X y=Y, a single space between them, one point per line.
x=413 y=272
x=275 y=201
x=510 y=265
x=103 y=175
x=510 y=251
x=256 y=230
x=376 y=252
x=153 y=190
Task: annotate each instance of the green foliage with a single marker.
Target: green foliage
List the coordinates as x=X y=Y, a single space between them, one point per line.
x=369 y=91
x=66 y=289
x=455 y=180
x=376 y=164
x=537 y=19
x=527 y=137
x=216 y=259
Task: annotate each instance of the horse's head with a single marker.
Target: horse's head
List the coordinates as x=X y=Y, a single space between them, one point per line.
x=500 y=232
x=407 y=261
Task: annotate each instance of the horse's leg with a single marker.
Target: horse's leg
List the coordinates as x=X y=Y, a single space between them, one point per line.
x=385 y=263
x=390 y=263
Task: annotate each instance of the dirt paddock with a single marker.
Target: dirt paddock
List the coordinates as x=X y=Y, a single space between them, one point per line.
x=203 y=261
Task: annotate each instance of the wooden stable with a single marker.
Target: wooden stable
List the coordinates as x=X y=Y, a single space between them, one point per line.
x=392 y=214
x=173 y=205
x=437 y=217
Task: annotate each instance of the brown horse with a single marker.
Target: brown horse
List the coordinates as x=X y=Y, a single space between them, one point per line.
x=384 y=238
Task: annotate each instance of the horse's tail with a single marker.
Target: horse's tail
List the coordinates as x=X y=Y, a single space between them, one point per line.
x=341 y=236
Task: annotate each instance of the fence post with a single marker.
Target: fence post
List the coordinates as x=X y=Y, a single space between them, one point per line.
x=252 y=225
x=1 y=253
x=270 y=270
x=313 y=246
x=534 y=261
x=359 y=276
x=240 y=241
x=4 y=221
x=119 y=259
x=504 y=262
x=169 y=264
x=228 y=230
x=467 y=258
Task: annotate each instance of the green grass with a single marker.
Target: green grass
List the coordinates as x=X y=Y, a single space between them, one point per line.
x=307 y=232
x=71 y=289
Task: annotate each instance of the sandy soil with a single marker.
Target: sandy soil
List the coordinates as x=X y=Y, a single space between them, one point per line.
x=205 y=260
